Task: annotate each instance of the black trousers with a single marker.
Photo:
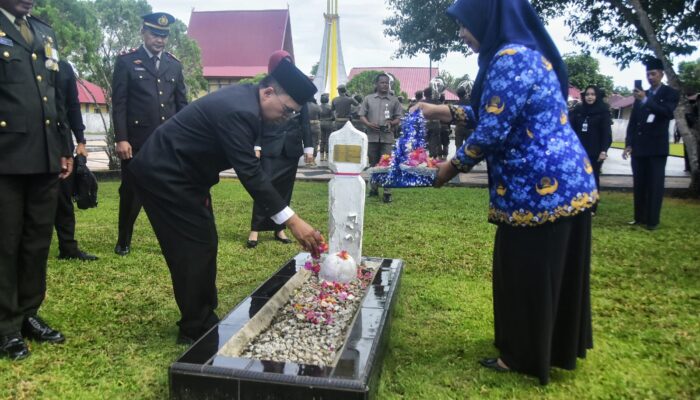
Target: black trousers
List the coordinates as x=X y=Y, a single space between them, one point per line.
x=648 y=175
x=316 y=135
x=375 y=151
x=326 y=130
x=183 y=221
x=541 y=295
x=26 y=225
x=433 y=139
x=282 y=172
x=461 y=134
x=597 y=166
x=129 y=206
x=65 y=218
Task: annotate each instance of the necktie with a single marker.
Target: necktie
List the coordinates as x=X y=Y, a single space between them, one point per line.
x=24 y=30
x=156 y=62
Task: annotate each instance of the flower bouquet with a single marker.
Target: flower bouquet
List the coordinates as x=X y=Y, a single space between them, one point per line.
x=409 y=164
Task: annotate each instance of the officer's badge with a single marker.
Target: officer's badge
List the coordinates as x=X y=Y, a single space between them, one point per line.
x=163 y=20
x=137 y=62
x=2 y=34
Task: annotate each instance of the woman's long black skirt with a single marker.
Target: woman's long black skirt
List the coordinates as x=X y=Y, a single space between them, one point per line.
x=282 y=172
x=541 y=295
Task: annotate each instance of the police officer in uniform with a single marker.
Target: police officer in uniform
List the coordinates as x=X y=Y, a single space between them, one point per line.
x=35 y=155
x=342 y=106
x=148 y=88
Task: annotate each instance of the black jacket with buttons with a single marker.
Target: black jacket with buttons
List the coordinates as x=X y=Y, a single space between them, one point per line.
x=143 y=98
x=33 y=135
x=651 y=138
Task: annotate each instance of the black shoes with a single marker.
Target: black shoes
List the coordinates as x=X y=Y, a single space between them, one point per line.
x=35 y=328
x=387 y=198
x=492 y=363
x=121 y=250
x=184 y=339
x=373 y=193
x=13 y=347
x=283 y=240
x=652 y=227
x=251 y=244
x=80 y=255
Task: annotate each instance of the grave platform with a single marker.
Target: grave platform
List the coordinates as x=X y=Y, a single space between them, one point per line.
x=201 y=373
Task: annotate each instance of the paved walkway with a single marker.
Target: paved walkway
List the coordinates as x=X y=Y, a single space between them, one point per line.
x=616 y=173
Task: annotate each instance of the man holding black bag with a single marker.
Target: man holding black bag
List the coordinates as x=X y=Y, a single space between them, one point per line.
x=65 y=215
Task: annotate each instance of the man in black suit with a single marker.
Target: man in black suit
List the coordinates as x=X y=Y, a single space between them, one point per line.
x=65 y=214
x=177 y=166
x=148 y=88
x=35 y=155
x=647 y=143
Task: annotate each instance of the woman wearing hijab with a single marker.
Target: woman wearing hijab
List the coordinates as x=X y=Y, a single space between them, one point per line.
x=592 y=124
x=279 y=147
x=541 y=187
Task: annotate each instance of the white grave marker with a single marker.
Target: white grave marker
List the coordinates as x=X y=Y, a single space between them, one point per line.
x=347 y=158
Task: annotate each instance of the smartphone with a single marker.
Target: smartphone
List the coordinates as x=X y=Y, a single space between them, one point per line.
x=638 y=84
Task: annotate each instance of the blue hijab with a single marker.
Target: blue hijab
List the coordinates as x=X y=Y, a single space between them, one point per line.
x=497 y=22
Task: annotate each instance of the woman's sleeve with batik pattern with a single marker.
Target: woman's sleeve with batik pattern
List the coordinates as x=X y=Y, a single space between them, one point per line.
x=506 y=89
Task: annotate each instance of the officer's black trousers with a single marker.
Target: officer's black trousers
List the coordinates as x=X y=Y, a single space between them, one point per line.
x=26 y=224
x=648 y=177
x=129 y=207
x=65 y=218
x=183 y=221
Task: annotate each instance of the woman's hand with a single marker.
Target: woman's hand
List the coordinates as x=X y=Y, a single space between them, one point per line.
x=434 y=111
x=446 y=171
x=602 y=156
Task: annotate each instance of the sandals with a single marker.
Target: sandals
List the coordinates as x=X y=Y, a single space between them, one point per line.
x=492 y=363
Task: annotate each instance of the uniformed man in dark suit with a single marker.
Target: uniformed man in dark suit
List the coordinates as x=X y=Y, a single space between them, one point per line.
x=177 y=166
x=647 y=143
x=148 y=88
x=65 y=213
x=342 y=107
x=35 y=155
x=327 y=118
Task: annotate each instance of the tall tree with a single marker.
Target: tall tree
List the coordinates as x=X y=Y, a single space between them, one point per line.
x=422 y=27
x=584 y=70
x=363 y=84
x=453 y=83
x=632 y=30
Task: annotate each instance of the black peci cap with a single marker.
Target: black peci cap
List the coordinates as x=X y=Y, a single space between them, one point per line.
x=653 y=63
x=158 y=23
x=297 y=85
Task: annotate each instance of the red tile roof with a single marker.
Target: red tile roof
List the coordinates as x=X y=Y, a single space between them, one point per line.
x=574 y=93
x=88 y=90
x=238 y=43
x=411 y=78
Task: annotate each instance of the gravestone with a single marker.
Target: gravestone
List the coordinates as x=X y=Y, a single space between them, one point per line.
x=346 y=191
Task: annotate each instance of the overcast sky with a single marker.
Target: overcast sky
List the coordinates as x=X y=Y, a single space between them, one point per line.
x=362 y=35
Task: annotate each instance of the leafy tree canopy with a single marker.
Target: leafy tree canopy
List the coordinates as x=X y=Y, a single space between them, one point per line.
x=584 y=70
x=422 y=27
x=613 y=27
x=689 y=72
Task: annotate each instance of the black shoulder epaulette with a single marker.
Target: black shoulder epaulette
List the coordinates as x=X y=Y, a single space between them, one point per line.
x=173 y=56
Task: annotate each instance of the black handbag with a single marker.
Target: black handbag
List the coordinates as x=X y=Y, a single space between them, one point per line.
x=85 y=188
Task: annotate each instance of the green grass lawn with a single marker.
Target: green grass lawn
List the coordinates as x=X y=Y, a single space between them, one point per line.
x=674 y=149
x=118 y=314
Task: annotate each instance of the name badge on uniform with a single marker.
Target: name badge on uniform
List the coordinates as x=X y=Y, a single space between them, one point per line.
x=139 y=69
x=6 y=41
x=650 y=118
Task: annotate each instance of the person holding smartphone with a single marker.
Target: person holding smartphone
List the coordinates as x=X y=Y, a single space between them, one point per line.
x=647 y=143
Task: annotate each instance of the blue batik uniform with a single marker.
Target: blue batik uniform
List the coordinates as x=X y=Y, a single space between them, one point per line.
x=538 y=169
